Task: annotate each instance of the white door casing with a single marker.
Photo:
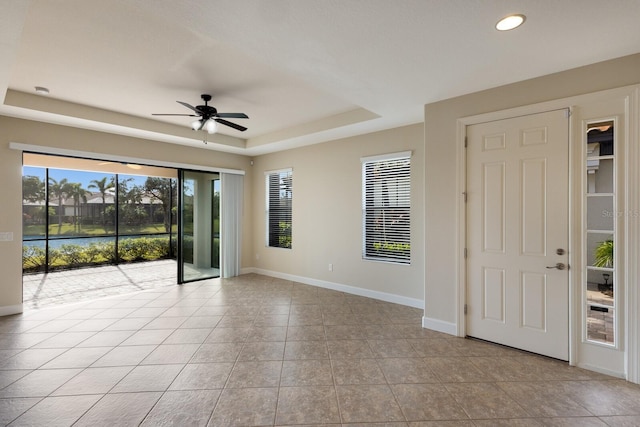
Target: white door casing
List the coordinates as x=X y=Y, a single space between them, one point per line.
x=517 y=219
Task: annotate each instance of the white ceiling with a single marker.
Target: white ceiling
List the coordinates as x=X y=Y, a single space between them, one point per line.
x=305 y=71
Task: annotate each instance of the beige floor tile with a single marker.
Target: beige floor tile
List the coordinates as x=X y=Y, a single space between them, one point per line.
x=298 y=350
x=544 y=399
x=307 y=405
x=357 y=371
x=368 y=403
x=220 y=334
x=427 y=402
x=188 y=336
x=148 y=378
x=513 y=422
x=120 y=409
x=66 y=339
x=58 y=411
x=32 y=358
x=349 y=349
x=38 y=383
x=9 y=376
x=125 y=356
x=406 y=371
x=93 y=381
x=572 y=422
x=200 y=322
x=12 y=408
x=106 y=339
x=306 y=373
x=77 y=358
x=183 y=408
x=456 y=369
x=255 y=374
x=622 y=420
x=217 y=352
x=256 y=350
x=305 y=333
x=245 y=407
x=262 y=350
x=170 y=353
x=602 y=398
x=148 y=337
x=201 y=376
x=485 y=400
x=392 y=348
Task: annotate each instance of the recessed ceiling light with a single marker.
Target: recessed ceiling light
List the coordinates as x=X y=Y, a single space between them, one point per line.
x=42 y=90
x=510 y=22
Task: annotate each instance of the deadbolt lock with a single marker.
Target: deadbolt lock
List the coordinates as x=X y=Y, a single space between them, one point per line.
x=560 y=251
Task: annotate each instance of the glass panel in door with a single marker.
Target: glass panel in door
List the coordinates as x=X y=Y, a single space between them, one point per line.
x=198 y=249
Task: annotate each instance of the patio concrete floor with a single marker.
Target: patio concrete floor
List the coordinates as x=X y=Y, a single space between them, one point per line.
x=71 y=286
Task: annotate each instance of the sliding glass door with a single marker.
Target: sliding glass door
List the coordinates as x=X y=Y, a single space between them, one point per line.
x=199 y=227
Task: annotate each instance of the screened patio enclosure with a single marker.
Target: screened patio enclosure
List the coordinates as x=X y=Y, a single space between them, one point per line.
x=79 y=213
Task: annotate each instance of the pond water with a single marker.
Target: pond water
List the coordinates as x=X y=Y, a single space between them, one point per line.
x=39 y=242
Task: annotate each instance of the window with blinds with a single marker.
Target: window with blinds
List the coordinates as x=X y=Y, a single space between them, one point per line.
x=278 y=208
x=386 y=205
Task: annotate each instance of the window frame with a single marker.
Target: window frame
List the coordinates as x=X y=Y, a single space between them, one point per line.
x=403 y=196
x=268 y=210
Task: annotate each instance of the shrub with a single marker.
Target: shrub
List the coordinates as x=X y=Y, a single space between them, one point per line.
x=33 y=258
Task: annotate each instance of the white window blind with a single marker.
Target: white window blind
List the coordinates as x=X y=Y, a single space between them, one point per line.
x=278 y=208
x=386 y=206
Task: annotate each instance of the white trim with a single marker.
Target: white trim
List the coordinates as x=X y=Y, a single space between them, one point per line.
x=632 y=198
x=285 y=170
x=382 y=296
x=440 y=326
x=600 y=370
x=460 y=276
x=390 y=156
x=114 y=158
x=632 y=295
x=8 y=310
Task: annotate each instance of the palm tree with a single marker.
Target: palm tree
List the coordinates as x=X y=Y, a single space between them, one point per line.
x=59 y=190
x=103 y=187
x=77 y=192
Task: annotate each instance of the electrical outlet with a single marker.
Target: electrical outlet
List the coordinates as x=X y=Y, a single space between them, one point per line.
x=257 y=256
x=330 y=267
x=6 y=236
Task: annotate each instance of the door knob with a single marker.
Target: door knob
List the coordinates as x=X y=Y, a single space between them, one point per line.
x=559 y=266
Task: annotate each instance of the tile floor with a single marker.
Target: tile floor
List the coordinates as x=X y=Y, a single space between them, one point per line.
x=255 y=350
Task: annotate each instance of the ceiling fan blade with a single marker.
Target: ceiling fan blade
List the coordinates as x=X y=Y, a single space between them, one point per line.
x=230 y=124
x=187 y=115
x=232 y=115
x=191 y=107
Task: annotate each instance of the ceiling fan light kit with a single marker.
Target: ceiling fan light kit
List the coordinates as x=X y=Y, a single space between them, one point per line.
x=209 y=116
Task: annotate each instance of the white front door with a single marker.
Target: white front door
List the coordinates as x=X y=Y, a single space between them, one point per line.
x=517 y=232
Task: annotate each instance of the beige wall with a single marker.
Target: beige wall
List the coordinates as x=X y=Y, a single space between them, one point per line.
x=327 y=214
x=440 y=162
x=35 y=133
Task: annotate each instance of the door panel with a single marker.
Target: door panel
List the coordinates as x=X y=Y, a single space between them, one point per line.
x=198 y=250
x=517 y=217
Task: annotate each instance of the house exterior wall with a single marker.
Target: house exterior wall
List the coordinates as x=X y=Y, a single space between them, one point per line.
x=62 y=137
x=441 y=226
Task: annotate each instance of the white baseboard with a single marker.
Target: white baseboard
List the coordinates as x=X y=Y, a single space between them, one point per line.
x=599 y=370
x=8 y=310
x=440 y=326
x=382 y=296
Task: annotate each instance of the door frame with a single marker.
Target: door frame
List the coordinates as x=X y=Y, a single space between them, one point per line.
x=632 y=202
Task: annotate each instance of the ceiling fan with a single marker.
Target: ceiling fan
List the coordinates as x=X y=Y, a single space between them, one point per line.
x=209 y=116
